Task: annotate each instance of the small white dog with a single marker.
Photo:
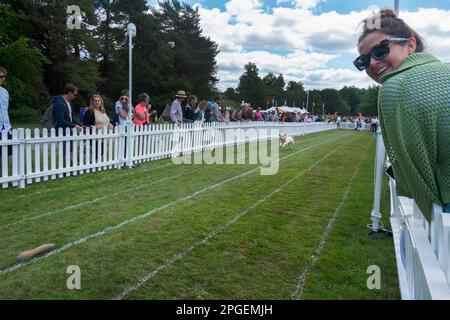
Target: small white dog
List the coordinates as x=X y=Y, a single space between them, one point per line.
x=286 y=140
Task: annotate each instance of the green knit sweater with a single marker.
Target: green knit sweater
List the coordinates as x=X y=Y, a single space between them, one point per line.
x=414 y=109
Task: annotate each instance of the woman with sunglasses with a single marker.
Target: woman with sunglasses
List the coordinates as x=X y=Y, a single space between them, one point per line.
x=414 y=108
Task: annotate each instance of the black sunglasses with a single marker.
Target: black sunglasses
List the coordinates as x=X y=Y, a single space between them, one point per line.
x=379 y=51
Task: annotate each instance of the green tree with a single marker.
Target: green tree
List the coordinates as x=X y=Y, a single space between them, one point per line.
x=230 y=94
x=369 y=102
x=251 y=87
x=274 y=88
x=72 y=52
x=352 y=96
x=334 y=102
x=25 y=67
x=315 y=102
x=193 y=55
x=295 y=94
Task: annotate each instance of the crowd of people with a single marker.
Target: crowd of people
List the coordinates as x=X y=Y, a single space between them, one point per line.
x=182 y=109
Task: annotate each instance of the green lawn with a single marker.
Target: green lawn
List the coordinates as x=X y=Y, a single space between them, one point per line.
x=204 y=231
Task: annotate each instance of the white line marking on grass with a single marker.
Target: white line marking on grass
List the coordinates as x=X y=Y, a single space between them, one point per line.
x=219 y=230
x=313 y=259
x=13 y=223
x=149 y=213
x=76 y=183
x=94 y=200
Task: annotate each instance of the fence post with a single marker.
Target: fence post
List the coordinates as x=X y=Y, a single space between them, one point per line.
x=15 y=157
x=22 y=158
x=130 y=146
x=4 y=156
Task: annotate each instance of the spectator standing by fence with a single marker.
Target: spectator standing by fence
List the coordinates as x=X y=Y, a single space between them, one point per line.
x=224 y=115
x=141 y=111
x=414 y=108
x=121 y=108
x=236 y=115
x=199 y=112
x=188 y=114
x=5 y=123
x=96 y=115
x=176 y=113
x=62 y=109
x=258 y=115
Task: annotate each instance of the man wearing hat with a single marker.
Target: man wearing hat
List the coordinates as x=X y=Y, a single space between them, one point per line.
x=176 y=114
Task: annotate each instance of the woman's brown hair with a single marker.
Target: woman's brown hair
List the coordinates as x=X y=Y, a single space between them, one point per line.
x=391 y=25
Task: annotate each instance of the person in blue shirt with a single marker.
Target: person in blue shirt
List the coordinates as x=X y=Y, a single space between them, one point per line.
x=5 y=124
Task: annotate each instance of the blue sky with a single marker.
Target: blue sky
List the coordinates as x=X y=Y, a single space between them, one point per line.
x=312 y=41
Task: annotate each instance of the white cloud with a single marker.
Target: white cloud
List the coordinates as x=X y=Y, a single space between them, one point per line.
x=306 y=4
x=300 y=44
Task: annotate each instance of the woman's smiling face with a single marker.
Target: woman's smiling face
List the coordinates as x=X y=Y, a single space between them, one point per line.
x=398 y=53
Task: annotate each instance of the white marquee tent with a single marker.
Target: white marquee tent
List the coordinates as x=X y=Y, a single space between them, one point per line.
x=286 y=109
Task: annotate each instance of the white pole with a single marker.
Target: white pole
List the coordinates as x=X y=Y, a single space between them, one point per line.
x=379 y=165
x=131 y=28
x=397 y=7
x=307 y=100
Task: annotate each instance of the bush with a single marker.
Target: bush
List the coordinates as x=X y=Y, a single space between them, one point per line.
x=24 y=114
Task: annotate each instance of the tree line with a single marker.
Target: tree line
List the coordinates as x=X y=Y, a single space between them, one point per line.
x=170 y=53
x=272 y=90
x=42 y=54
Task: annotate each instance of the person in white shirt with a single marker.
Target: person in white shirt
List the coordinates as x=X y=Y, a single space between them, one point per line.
x=374 y=124
x=5 y=124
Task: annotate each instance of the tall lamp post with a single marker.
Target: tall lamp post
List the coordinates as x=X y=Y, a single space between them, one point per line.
x=131 y=32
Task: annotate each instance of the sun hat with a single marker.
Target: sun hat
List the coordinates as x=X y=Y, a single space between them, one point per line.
x=181 y=94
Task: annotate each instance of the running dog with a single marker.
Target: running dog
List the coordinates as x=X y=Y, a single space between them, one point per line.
x=286 y=140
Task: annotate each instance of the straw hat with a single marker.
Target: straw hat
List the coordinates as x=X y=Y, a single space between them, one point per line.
x=181 y=94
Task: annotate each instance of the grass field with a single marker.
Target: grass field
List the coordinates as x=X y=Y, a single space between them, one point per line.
x=166 y=231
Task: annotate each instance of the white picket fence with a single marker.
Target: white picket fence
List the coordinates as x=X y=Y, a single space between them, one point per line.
x=40 y=155
x=422 y=249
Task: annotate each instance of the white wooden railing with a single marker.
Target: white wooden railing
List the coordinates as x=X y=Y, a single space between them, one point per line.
x=40 y=155
x=422 y=249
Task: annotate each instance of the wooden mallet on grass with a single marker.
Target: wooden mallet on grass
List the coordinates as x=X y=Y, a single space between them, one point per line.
x=30 y=253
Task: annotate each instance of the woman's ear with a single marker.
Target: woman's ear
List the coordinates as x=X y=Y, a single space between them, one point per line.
x=412 y=45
